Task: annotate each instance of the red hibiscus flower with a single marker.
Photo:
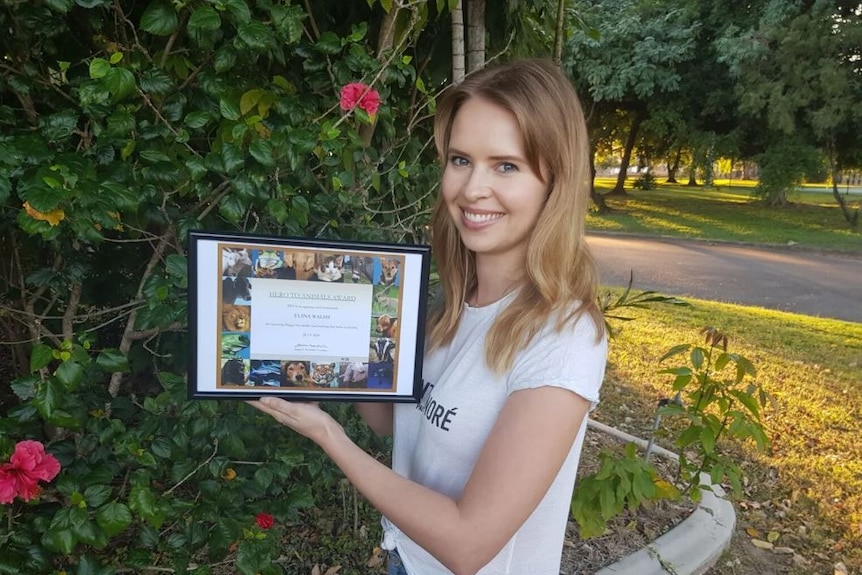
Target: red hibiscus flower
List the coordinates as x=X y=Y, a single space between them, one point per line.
x=27 y=466
x=265 y=520
x=362 y=95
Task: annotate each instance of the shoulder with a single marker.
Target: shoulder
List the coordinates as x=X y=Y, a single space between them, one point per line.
x=571 y=356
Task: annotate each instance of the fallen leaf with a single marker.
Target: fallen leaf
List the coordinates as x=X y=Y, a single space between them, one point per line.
x=752 y=532
x=333 y=570
x=772 y=536
x=783 y=551
x=315 y=570
x=760 y=544
x=377 y=557
x=841 y=569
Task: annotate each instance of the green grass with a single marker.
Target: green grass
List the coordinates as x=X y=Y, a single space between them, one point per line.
x=729 y=213
x=812 y=475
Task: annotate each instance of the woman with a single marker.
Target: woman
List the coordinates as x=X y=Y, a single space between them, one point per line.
x=484 y=466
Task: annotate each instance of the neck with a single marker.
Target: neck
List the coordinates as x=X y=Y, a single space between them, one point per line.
x=494 y=280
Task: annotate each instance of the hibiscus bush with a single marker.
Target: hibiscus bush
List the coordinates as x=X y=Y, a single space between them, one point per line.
x=122 y=126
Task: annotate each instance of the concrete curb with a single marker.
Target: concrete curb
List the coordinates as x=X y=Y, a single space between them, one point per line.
x=690 y=548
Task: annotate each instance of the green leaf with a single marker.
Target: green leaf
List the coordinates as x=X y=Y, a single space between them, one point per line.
x=120 y=83
x=156 y=81
x=96 y=495
x=675 y=350
x=99 y=68
x=204 y=19
x=256 y=35
x=707 y=439
x=70 y=374
x=232 y=157
x=112 y=360
x=697 y=357
x=40 y=357
x=177 y=267
x=198 y=119
x=143 y=502
x=113 y=518
x=261 y=150
x=229 y=110
x=159 y=18
x=48 y=397
x=239 y=10
x=329 y=43
x=60 y=540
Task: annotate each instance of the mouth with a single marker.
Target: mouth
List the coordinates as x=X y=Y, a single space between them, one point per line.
x=480 y=217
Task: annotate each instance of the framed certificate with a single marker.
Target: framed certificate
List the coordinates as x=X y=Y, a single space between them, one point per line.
x=307 y=319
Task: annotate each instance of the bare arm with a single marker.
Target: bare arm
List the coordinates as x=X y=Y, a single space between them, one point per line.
x=522 y=456
x=377 y=416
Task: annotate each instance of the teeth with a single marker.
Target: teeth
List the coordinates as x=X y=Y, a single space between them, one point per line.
x=481 y=218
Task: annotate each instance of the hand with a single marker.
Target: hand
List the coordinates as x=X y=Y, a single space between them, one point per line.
x=304 y=417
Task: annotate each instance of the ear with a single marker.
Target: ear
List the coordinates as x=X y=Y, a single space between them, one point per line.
x=339 y=261
x=288 y=259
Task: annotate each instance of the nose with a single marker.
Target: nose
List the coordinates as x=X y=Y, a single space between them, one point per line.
x=478 y=184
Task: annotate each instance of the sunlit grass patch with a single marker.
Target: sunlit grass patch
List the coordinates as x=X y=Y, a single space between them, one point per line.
x=729 y=214
x=812 y=368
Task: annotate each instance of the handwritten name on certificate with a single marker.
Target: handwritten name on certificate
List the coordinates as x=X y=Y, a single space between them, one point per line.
x=307 y=319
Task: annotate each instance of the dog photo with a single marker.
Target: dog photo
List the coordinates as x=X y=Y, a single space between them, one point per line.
x=296 y=373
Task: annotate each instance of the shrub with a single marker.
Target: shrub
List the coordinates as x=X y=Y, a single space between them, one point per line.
x=122 y=126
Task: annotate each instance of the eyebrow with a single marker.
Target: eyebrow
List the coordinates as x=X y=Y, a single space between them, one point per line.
x=503 y=158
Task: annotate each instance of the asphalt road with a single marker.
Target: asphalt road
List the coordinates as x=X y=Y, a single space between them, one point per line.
x=817 y=283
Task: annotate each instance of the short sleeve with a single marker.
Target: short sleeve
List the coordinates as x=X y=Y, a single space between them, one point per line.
x=571 y=358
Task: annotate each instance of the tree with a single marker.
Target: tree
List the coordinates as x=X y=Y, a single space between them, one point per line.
x=630 y=53
x=797 y=71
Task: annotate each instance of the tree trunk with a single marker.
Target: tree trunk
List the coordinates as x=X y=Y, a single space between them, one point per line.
x=558 y=33
x=598 y=199
x=385 y=43
x=672 y=167
x=852 y=217
x=457 y=43
x=475 y=35
x=620 y=188
x=692 y=177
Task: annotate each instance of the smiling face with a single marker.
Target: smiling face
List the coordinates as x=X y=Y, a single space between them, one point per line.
x=493 y=195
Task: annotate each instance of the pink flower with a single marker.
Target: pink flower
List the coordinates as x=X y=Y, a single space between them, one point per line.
x=362 y=95
x=265 y=520
x=27 y=466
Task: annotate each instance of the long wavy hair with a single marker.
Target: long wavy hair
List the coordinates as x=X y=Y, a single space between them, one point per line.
x=560 y=276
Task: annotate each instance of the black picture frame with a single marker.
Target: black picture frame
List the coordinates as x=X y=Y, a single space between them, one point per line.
x=308 y=319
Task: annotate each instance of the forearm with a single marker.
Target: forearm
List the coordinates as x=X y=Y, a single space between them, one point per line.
x=377 y=416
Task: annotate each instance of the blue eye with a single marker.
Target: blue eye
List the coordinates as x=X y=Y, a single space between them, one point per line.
x=507 y=167
x=459 y=161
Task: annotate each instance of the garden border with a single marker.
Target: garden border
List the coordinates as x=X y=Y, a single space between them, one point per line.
x=692 y=546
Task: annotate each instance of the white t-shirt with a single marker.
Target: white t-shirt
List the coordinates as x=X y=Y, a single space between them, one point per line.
x=438 y=441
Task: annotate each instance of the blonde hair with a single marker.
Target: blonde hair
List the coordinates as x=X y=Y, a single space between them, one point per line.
x=560 y=273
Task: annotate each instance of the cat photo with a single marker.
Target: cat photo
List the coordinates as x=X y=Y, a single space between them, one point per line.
x=328 y=268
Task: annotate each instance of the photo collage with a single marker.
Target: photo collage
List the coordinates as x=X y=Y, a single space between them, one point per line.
x=240 y=265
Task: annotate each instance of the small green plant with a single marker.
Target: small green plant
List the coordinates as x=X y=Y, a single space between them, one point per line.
x=718 y=401
x=645 y=182
x=623 y=482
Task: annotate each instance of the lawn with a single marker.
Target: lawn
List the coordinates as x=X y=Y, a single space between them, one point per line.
x=808 y=488
x=729 y=213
